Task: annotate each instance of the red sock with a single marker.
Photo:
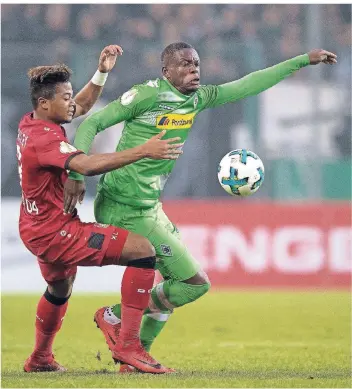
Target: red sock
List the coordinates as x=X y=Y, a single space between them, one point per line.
x=135 y=290
x=48 y=322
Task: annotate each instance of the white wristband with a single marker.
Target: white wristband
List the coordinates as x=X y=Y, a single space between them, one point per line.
x=99 y=78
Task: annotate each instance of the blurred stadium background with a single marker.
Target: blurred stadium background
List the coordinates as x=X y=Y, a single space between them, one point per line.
x=296 y=229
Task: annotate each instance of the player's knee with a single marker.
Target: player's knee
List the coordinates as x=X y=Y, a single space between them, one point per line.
x=136 y=247
x=146 y=248
x=206 y=284
x=194 y=292
x=207 y=287
x=201 y=290
x=61 y=289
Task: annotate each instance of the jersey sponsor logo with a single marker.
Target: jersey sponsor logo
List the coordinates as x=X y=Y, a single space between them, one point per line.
x=164 y=121
x=66 y=148
x=174 y=121
x=129 y=96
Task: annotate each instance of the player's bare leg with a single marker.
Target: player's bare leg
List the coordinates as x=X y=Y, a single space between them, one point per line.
x=51 y=310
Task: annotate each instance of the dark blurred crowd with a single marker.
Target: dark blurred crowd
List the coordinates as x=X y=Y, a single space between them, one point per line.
x=232 y=38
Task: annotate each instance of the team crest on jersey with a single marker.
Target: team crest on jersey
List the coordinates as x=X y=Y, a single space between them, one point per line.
x=46 y=129
x=175 y=121
x=195 y=101
x=129 y=96
x=66 y=148
x=166 y=250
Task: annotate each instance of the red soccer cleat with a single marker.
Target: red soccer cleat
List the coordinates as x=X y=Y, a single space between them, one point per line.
x=35 y=364
x=127 y=369
x=130 y=369
x=135 y=356
x=110 y=331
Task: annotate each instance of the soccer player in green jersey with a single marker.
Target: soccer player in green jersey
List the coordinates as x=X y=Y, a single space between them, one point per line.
x=130 y=196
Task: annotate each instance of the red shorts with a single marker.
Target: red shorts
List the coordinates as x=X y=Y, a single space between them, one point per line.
x=80 y=244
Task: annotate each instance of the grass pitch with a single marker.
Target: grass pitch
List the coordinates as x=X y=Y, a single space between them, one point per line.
x=226 y=339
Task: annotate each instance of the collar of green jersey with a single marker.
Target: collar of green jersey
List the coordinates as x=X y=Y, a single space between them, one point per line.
x=176 y=91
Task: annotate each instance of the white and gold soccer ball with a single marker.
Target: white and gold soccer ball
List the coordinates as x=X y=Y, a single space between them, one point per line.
x=241 y=172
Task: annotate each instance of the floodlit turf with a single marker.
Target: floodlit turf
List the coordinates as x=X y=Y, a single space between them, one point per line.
x=237 y=339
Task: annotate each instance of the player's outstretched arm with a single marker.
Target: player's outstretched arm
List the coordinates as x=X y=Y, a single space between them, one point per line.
x=87 y=97
x=259 y=81
x=155 y=148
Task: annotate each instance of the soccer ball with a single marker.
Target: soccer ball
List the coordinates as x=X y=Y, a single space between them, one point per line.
x=241 y=172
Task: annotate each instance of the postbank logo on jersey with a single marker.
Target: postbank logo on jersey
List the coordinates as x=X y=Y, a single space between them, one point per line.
x=175 y=121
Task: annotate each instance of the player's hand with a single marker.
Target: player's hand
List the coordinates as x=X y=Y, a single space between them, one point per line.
x=108 y=58
x=74 y=191
x=319 y=55
x=156 y=148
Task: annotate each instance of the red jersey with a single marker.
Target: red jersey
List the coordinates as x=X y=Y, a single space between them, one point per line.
x=43 y=154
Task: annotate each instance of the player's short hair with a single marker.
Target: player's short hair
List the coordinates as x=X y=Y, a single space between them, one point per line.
x=43 y=81
x=170 y=51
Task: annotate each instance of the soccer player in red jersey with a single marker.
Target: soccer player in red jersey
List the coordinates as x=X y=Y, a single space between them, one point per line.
x=60 y=241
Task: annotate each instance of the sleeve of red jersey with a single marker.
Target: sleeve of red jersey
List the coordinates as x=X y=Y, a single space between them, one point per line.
x=54 y=150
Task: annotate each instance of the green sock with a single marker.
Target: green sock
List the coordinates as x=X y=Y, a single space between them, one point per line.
x=164 y=298
x=152 y=324
x=116 y=310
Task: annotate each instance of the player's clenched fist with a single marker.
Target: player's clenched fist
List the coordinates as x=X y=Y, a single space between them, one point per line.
x=156 y=148
x=108 y=58
x=319 y=55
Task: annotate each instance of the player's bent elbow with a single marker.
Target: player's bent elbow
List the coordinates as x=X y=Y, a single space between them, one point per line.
x=84 y=171
x=81 y=164
x=88 y=171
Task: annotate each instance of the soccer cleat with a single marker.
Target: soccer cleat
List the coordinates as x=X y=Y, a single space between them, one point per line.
x=110 y=331
x=130 y=369
x=35 y=364
x=135 y=356
x=127 y=369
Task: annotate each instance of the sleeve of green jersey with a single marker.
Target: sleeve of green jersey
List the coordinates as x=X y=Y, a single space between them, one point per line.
x=252 y=84
x=131 y=104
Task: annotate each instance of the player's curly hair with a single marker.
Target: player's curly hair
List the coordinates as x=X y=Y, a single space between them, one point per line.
x=171 y=49
x=43 y=81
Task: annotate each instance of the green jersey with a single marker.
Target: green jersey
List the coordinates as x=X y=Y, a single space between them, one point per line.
x=157 y=105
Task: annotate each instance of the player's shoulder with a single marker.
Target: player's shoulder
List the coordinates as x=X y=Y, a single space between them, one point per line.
x=206 y=88
x=206 y=93
x=149 y=89
x=39 y=127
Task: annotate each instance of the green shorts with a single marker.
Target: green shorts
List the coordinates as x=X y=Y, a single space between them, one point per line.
x=173 y=258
